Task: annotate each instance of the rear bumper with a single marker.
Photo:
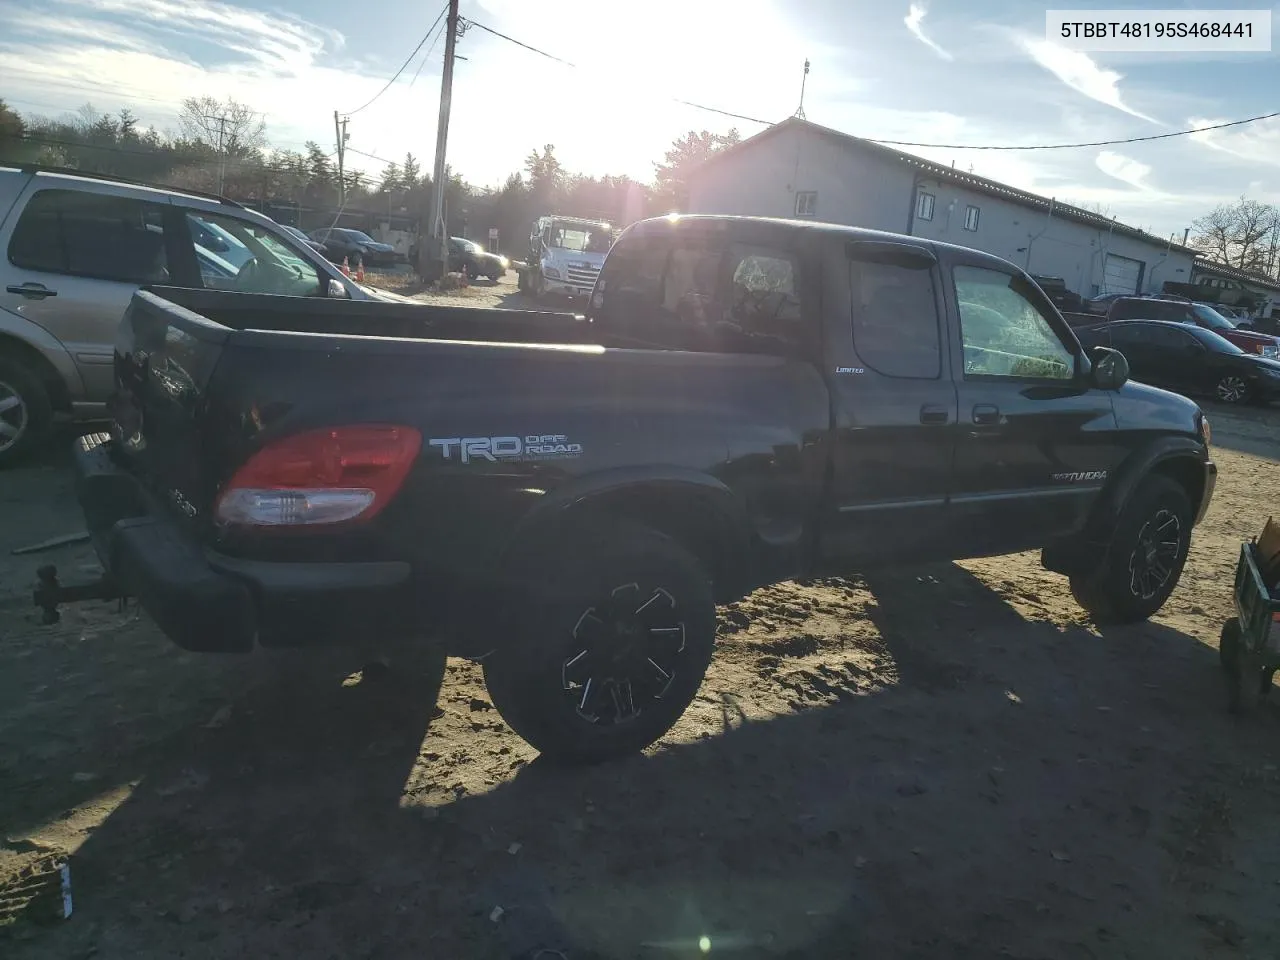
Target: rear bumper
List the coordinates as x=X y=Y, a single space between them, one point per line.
x=206 y=601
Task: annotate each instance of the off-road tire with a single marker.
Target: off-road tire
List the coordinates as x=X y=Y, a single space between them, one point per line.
x=551 y=590
x=37 y=420
x=1106 y=591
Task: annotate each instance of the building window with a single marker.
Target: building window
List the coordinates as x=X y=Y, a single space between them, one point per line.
x=806 y=203
x=924 y=206
x=971 y=218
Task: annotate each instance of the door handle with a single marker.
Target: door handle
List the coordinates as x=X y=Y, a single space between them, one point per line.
x=935 y=413
x=986 y=413
x=32 y=291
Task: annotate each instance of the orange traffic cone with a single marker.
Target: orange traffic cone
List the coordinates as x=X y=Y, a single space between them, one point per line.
x=360 y=270
x=346 y=267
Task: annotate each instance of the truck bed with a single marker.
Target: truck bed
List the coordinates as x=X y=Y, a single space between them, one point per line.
x=371 y=318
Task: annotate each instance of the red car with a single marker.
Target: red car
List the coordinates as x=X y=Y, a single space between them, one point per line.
x=1196 y=314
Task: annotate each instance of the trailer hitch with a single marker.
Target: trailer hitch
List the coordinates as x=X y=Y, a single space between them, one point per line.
x=49 y=593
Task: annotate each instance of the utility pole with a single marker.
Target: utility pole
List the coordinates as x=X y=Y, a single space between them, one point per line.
x=340 y=135
x=222 y=156
x=438 y=244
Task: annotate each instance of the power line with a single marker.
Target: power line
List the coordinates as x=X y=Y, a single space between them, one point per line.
x=521 y=43
x=407 y=61
x=426 y=56
x=370 y=156
x=912 y=143
x=552 y=56
x=1070 y=146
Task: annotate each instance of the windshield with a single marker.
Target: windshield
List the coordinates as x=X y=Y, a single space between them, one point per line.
x=251 y=257
x=580 y=238
x=467 y=245
x=1216 y=343
x=1211 y=318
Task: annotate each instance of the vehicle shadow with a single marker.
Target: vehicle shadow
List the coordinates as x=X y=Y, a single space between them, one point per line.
x=1001 y=798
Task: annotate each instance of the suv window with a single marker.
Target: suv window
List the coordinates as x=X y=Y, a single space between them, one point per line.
x=895 y=319
x=1005 y=334
x=91 y=235
x=1139 y=308
x=236 y=254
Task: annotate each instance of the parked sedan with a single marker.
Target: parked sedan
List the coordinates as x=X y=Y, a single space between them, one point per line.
x=1193 y=314
x=342 y=242
x=1187 y=359
x=466 y=256
x=295 y=232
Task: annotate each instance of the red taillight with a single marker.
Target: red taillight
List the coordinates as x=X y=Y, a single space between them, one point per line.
x=321 y=476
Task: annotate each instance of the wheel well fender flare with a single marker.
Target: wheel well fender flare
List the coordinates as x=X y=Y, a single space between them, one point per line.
x=693 y=508
x=1180 y=458
x=47 y=355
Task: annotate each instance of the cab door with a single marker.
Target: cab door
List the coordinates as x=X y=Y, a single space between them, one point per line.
x=1036 y=440
x=893 y=407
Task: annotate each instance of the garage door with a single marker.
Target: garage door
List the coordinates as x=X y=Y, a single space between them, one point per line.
x=1121 y=275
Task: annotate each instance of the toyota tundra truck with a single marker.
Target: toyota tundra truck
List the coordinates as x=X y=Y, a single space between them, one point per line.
x=568 y=498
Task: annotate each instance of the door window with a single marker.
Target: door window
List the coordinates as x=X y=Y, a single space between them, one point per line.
x=1005 y=334
x=895 y=319
x=91 y=235
x=235 y=254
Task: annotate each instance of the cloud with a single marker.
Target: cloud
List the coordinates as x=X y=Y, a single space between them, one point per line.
x=1257 y=142
x=277 y=40
x=914 y=21
x=1125 y=169
x=1079 y=72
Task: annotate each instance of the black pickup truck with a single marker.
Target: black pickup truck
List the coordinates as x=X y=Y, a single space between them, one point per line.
x=568 y=498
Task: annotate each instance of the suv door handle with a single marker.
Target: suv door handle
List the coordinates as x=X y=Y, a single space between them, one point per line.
x=935 y=413
x=32 y=291
x=986 y=413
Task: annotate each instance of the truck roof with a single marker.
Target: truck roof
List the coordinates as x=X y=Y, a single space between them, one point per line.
x=834 y=231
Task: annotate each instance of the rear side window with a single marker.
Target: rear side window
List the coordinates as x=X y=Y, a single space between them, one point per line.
x=895 y=319
x=692 y=294
x=1138 y=309
x=90 y=235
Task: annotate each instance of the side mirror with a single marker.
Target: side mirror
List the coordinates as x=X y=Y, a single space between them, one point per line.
x=338 y=290
x=1110 y=368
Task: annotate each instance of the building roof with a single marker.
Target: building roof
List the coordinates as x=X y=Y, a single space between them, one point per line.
x=1202 y=265
x=942 y=172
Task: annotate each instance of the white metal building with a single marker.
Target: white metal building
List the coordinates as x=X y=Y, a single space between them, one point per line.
x=800 y=169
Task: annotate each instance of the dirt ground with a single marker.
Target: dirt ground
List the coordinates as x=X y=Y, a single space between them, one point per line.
x=945 y=762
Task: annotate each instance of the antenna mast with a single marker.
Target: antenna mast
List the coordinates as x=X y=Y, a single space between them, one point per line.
x=803 y=81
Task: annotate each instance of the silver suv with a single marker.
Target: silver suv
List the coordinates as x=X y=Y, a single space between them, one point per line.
x=78 y=246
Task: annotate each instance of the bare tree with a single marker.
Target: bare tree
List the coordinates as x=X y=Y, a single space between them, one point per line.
x=1244 y=234
x=231 y=128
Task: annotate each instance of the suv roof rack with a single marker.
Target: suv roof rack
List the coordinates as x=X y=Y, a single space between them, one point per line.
x=112 y=178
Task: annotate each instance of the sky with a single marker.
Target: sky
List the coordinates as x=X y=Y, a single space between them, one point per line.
x=931 y=71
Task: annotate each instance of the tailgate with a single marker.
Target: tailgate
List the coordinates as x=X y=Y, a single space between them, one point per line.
x=164 y=358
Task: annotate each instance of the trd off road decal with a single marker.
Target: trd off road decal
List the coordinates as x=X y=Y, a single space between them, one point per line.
x=548 y=446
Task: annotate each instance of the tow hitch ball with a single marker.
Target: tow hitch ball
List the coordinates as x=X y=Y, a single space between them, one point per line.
x=49 y=593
